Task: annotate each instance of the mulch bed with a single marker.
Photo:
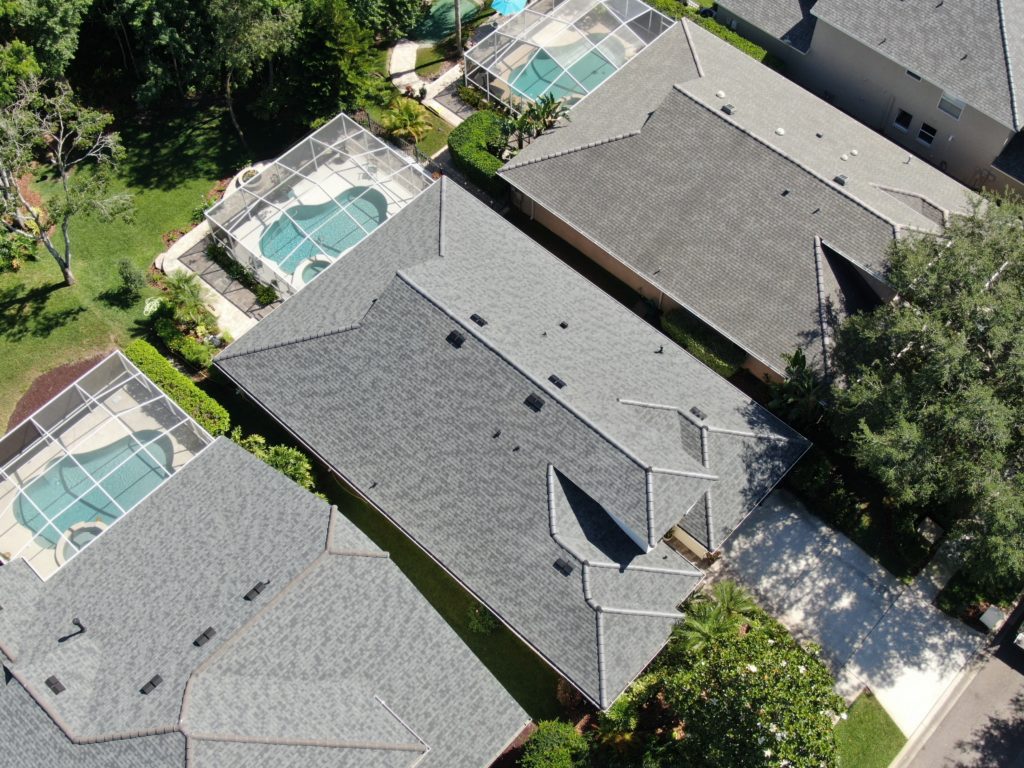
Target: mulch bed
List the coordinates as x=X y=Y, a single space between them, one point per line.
x=47 y=385
x=510 y=757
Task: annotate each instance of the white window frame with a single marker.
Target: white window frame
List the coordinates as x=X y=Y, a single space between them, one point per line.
x=955 y=103
x=921 y=130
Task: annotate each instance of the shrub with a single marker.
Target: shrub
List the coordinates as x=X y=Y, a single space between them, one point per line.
x=132 y=281
x=481 y=621
x=555 y=745
x=289 y=461
x=715 y=351
x=475 y=145
x=14 y=250
x=210 y=414
x=474 y=97
x=194 y=352
x=265 y=294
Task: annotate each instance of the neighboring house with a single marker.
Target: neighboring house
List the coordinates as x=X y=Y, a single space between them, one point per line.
x=233 y=619
x=707 y=181
x=941 y=78
x=533 y=436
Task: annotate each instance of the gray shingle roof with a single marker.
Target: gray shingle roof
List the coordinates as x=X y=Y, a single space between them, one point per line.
x=790 y=20
x=974 y=50
x=180 y=562
x=722 y=212
x=440 y=439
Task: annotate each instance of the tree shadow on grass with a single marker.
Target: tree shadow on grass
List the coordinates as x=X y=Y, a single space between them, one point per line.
x=23 y=312
x=119 y=298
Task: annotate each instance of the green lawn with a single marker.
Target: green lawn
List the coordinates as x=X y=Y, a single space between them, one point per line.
x=429 y=60
x=170 y=164
x=868 y=738
x=430 y=144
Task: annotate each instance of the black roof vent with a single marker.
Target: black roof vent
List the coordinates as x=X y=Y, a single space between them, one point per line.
x=456 y=339
x=478 y=320
x=556 y=381
x=54 y=684
x=149 y=687
x=204 y=638
x=698 y=413
x=785 y=193
x=728 y=109
x=533 y=402
x=840 y=179
x=497 y=433
x=563 y=324
x=564 y=566
x=253 y=593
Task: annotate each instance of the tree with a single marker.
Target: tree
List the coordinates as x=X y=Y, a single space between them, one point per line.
x=18 y=65
x=554 y=745
x=406 y=119
x=931 y=382
x=390 y=19
x=46 y=122
x=248 y=34
x=51 y=28
x=717 y=616
x=185 y=297
x=291 y=462
x=547 y=111
x=798 y=398
x=750 y=699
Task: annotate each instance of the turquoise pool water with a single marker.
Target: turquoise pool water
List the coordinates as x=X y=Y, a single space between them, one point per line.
x=543 y=74
x=61 y=483
x=331 y=231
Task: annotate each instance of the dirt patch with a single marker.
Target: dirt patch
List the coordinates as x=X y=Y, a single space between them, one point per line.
x=510 y=757
x=49 y=384
x=25 y=187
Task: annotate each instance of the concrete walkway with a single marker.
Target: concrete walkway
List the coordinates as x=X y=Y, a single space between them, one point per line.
x=402 y=68
x=874 y=631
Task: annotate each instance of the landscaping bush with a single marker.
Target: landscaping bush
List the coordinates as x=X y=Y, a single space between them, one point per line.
x=265 y=294
x=474 y=97
x=14 y=250
x=480 y=620
x=132 y=281
x=715 y=351
x=555 y=745
x=210 y=414
x=289 y=461
x=475 y=145
x=191 y=350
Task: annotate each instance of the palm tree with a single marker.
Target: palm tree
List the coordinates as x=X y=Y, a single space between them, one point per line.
x=406 y=119
x=734 y=601
x=185 y=297
x=798 y=398
x=705 y=625
x=547 y=111
x=518 y=129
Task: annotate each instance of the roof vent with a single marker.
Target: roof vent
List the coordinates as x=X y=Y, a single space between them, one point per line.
x=533 y=402
x=563 y=324
x=204 y=638
x=729 y=109
x=698 y=413
x=478 y=320
x=563 y=566
x=556 y=381
x=54 y=684
x=456 y=339
x=497 y=433
x=785 y=193
x=841 y=179
x=149 y=687
x=253 y=593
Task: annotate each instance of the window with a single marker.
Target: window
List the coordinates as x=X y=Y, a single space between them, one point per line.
x=913 y=75
x=951 y=106
x=903 y=120
x=927 y=134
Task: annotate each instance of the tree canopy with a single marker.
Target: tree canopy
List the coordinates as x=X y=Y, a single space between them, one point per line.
x=390 y=19
x=930 y=386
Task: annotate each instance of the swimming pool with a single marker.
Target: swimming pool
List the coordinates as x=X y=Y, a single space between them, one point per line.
x=61 y=483
x=331 y=231
x=543 y=74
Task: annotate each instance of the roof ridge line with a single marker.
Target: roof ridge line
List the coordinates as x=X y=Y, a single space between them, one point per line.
x=589 y=145
x=647 y=568
x=709 y=520
x=830 y=185
x=819 y=273
x=521 y=370
x=358 y=553
x=1014 y=113
x=946 y=212
x=440 y=219
x=324 y=743
x=238 y=633
x=232 y=355
x=684 y=473
x=693 y=48
x=602 y=665
x=755 y=435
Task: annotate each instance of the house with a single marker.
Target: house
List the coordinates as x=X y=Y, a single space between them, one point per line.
x=534 y=437
x=707 y=181
x=229 y=619
x=941 y=79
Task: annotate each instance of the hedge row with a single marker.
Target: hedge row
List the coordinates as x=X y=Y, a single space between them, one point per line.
x=210 y=414
x=474 y=146
x=192 y=351
x=715 y=351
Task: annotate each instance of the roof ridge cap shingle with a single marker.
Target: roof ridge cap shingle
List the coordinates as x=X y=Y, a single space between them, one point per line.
x=1004 y=39
x=827 y=183
x=819 y=273
x=227 y=355
x=235 y=738
x=685 y=24
x=589 y=145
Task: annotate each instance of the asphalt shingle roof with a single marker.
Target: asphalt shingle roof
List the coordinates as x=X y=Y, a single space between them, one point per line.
x=723 y=212
x=440 y=439
x=785 y=19
x=180 y=562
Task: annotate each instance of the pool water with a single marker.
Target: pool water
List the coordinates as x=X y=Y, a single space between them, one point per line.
x=61 y=483
x=331 y=231
x=313 y=269
x=543 y=74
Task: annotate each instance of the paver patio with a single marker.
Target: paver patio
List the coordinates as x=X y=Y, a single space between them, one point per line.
x=874 y=630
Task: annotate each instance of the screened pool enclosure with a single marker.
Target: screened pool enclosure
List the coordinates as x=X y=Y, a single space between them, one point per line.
x=565 y=48
x=303 y=211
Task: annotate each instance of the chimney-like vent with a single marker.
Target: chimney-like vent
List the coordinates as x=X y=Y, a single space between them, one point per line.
x=841 y=179
x=563 y=566
x=204 y=638
x=253 y=593
x=533 y=402
x=556 y=381
x=729 y=109
x=54 y=684
x=149 y=687
x=478 y=320
x=456 y=339
x=698 y=413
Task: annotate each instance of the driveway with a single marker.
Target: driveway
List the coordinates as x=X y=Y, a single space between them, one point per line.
x=874 y=631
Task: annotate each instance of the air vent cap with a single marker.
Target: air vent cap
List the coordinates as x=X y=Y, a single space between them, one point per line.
x=533 y=402
x=478 y=320
x=563 y=566
x=729 y=109
x=149 y=687
x=55 y=685
x=556 y=381
x=204 y=638
x=456 y=339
